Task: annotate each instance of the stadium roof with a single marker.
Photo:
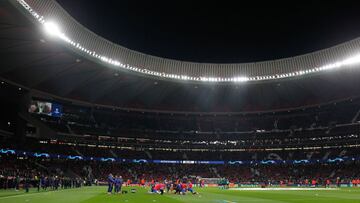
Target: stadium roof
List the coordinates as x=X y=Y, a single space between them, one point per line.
x=50 y=65
x=58 y=23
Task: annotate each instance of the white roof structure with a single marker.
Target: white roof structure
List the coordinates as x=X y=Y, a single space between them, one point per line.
x=50 y=15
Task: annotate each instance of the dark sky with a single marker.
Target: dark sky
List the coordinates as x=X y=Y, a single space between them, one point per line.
x=220 y=31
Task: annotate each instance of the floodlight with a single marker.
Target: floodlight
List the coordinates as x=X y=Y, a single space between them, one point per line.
x=352 y=60
x=52 y=29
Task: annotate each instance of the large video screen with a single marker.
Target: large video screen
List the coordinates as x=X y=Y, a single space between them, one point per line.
x=47 y=108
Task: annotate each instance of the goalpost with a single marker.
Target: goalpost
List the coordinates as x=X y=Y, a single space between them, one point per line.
x=212 y=182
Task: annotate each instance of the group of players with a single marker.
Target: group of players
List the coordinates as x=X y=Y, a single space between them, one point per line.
x=177 y=187
x=114 y=183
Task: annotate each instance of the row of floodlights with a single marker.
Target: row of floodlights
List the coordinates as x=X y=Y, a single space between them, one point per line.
x=54 y=30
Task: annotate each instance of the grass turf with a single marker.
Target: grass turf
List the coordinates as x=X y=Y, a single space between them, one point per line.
x=207 y=195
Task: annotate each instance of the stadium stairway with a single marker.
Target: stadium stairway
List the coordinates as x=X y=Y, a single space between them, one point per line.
x=355 y=118
x=332 y=175
x=40 y=165
x=77 y=151
x=69 y=129
x=326 y=156
x=148 y=154
x=50 y=170
x=214 y=170
x=71 y=174
x=89 y=172
x=185 y=157
x=113 y=153
x=132 y=173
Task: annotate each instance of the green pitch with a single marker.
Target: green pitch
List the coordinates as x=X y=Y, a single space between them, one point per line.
x=207 y=195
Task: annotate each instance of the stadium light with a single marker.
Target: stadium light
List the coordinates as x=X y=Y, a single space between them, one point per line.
x=352 y=60
x=52 y=29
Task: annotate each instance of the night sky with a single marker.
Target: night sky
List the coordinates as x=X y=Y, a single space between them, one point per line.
x=220 y=31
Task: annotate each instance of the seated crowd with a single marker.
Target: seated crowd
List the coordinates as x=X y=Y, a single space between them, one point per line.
x=47 y=173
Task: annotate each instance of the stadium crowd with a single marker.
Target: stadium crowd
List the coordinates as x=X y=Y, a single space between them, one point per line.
x=54 y=174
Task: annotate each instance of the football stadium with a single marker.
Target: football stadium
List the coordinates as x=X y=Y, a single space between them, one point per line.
x=87 y=119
